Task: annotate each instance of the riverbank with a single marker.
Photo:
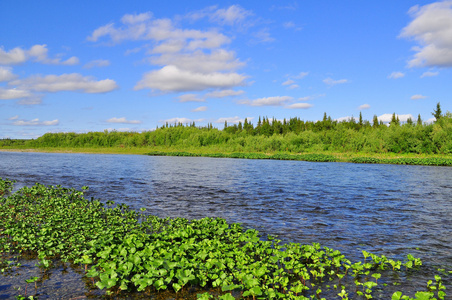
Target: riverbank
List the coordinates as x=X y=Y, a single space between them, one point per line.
x=321 y=156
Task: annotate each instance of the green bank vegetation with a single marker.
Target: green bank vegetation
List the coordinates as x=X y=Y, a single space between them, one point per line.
x=351 y=140
x=123 y=251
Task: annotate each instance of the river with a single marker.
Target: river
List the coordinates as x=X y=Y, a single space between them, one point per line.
x=385 y=209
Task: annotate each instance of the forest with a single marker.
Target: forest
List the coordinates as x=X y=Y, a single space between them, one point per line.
x=272 y=136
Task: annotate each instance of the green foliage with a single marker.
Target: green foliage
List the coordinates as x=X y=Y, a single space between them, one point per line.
x=291 y=136
x=125 y=251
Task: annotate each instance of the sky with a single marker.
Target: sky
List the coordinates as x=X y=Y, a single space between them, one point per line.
x=80 y=66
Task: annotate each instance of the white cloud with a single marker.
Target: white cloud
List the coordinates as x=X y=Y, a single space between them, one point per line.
x=172 y=79
x=224 y=93
x=66 y=82
x=302 y=75
x=417 y=97
x=169 y=46
x=307 y=98
x=268 y=101
x=178 y=120
x=263 y=36
x=396 y=75
x=331 y=82
x=123 y=121
x=190 y=98
x=386 y=118
x=288 y=82
x=201 y=108
x=6 y=74
x=7 y=94
x=14 y=118
x=36 y=122
x=232 y=15
x=97 y=63
x=429 y=74
x=33 y=100
x=12 y=57
x=294 y=86
x=133 y=19
x=143 y=27
x=289 y=24
x=364 y=106
x=218 y=60
x=347 y=118
x=299 y=106
x=431 y=27
x=37 y=52
x=190 y=59
x=232 y=120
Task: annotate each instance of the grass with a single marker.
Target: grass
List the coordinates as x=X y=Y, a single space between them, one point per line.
x=352 y=157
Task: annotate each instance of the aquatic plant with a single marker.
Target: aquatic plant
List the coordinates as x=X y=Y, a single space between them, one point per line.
x=123 y=251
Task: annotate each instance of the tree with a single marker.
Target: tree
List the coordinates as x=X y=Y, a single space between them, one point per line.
x=419 y=120
x=437 y=112
x=375 y=121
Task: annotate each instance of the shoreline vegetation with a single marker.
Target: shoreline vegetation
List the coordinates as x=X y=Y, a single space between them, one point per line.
x=124 y=252
x=357 y=141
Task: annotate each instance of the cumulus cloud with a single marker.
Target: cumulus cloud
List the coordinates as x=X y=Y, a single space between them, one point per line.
x=302 y=75
x=268 y=101
x=386 y=118
x=299 y=106
x=429 y=74
x=123 y=121
x=65 y=82
x=341 y=119
x=201 y=108
x=417 y=97
x=431 y=27
x=234 y=14
x=232 y=120
x=331 y=82
x=97 y=63
x=224 y=93
x=172 y=79
x=178 y=120
x=143 y=27
x=6 y=74
x=7 y=94
x=190 y=98
x=396 y=75
x=198 y=61
x=36 y=122
x=38 y=53
x=288 y=82
x=364 y=106
x=13 y=56
x=188 y=59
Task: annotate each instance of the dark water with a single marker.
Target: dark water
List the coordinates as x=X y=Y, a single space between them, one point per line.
x=384 y=209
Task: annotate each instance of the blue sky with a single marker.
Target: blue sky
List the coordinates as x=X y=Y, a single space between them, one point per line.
x=79 y=66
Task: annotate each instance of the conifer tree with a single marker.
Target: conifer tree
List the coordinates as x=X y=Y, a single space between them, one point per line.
x=437 y=113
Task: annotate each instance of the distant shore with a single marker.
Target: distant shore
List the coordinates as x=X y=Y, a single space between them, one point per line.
x=324 y=156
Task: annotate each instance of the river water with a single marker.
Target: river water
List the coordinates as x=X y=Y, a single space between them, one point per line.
x=385 y=209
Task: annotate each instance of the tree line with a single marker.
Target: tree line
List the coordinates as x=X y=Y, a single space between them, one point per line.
x=270 y=135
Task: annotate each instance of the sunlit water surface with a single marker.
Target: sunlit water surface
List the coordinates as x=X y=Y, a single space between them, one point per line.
x=385 y=209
